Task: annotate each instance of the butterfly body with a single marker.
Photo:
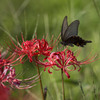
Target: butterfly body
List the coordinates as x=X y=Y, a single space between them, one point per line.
x=69 y=34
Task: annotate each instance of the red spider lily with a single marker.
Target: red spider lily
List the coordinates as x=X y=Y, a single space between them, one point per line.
x=34 y=47
x=43 y=47
x=7 y=75
x=63 y=60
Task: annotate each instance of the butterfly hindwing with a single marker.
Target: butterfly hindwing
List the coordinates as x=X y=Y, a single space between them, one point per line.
x=78 y=41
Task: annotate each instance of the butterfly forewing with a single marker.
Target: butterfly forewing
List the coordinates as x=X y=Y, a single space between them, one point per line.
x=64 y=27
x=72 y=30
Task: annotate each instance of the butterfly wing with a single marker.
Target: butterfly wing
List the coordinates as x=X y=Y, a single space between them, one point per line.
x=78 y=41
x=64 y=27
x=72 y=30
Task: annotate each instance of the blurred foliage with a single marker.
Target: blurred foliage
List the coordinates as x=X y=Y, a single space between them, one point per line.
x=45 y=17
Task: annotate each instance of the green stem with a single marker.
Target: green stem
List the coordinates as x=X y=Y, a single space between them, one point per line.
x=63 y=91
x=40 y=81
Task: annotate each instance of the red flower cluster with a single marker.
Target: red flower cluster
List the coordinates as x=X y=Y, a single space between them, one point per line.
x=64 y=60
x=34 y=47
x=7 y=72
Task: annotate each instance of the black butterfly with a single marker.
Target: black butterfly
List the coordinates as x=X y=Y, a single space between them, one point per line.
x=69 y=34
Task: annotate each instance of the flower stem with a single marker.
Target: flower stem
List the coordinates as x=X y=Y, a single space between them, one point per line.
x=40 y=81
x=63 y=92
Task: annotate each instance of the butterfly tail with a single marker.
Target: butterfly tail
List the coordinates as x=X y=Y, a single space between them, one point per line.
x=88 y=41
x=82 y=43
